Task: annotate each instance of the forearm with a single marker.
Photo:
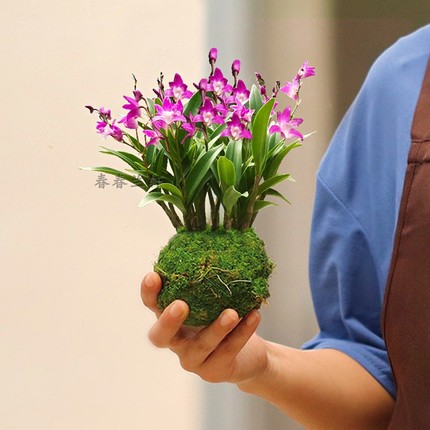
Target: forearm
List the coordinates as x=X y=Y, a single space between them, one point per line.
x=322 y=389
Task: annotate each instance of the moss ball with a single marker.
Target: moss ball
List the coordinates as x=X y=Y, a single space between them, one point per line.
x=212 y=271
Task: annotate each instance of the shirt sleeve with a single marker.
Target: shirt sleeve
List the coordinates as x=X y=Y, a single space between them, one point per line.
x=359 y=188
x=345 y=286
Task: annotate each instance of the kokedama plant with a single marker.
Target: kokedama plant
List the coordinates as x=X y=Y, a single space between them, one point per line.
x=210 y=159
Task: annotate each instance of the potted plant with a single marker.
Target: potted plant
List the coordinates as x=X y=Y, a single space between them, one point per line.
x=210 y=158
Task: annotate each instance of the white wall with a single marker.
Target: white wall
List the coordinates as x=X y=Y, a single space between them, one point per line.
x=73 y=346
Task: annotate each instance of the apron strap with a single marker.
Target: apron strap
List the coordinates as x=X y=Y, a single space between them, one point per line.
x=406 y=313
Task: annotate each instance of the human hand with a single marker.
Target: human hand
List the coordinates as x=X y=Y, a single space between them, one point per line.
x=228 y=350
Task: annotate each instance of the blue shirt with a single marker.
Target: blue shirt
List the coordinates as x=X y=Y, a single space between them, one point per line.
x=359 y=188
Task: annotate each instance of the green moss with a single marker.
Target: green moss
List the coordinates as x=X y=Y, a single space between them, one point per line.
x=213 y=271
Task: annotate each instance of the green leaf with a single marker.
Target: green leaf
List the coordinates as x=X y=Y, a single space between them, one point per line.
x=151 y=153
x=136 y=143
x=271 y=182
x=151 y=107
x=275 y=162
x=230 y=198
x=119 y=174
x=261 y=204
x=226 y=172
x=248 y=177
x=193 y=104
x=134 y=162
x=155 y=196
x=272 y=192
x=215 y=136
x=259 y=136
x=234 y=153
x=159 y=162
x=214 y=185
x=255 y=101
x=273 y=140
x=197 y=175
x=172 y=189
x=216 y=132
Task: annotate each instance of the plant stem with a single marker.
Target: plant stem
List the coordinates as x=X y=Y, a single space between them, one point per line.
x=201 y=210
x=214 y=210
x=173 y=216
x=227 y=221
x=247 y=220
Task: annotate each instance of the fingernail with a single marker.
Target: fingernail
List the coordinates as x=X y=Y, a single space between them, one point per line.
x=149 y=280
x=226 y=318
x=176 y=310
x=252 y=318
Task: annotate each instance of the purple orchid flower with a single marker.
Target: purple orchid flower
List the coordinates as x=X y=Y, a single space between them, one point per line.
x=130 y=120
x=221 y=109
x=168 y=113
x=240 y=93
x=219 y=83
x=138 y=96
x=208 y=114
x=291 y=89
x=286 y=125
x=190 y=125
x=244 y=113
x=305 y=71
x=203 y=86
x=105 y=113
x=178 y=90
x=106 y=130
x=236 y=129
x=154 y=137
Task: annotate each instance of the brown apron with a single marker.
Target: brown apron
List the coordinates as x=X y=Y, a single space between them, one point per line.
x=406 y=314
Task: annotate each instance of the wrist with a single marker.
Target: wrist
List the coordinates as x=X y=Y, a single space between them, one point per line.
x=265 y=375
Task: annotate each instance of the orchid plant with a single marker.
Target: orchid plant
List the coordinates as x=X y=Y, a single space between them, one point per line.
x=207 y=156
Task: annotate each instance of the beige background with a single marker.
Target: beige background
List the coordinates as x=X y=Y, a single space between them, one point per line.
x=73 y=346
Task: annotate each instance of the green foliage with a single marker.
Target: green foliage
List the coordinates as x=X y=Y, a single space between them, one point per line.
x=259 y=136
x=187 y=173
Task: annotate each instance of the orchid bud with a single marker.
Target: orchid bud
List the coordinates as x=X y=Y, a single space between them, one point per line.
x=276 y=88
x=260 y=79
x=213 y=54
x=105 y=113
x=263 y=91
x=235 y=67
x=137 y=95
x=160 y=83
x=90 y=108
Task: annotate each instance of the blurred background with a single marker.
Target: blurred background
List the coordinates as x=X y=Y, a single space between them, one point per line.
x=74 y=352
